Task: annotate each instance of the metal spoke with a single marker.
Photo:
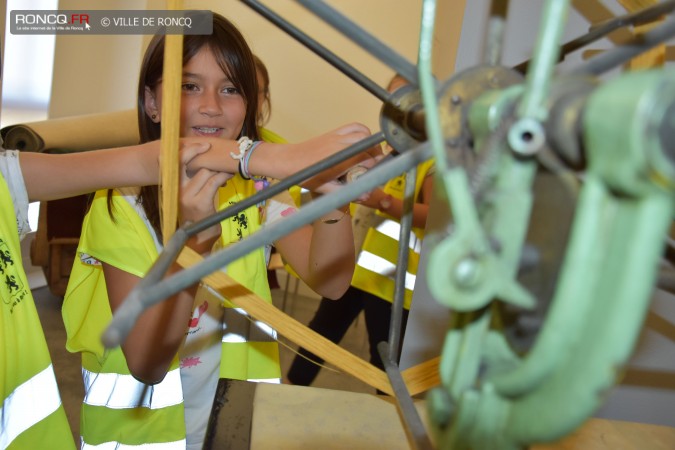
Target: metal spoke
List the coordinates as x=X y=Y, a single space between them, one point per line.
x=320 y=50
x=366 y=40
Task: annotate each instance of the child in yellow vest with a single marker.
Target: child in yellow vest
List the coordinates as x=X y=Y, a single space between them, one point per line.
x=31 y=409
x=158 y=388
x=372 y=288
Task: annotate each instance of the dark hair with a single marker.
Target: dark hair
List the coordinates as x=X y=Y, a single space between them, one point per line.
x=233 y=56
x=265 y=111
x=235 y=59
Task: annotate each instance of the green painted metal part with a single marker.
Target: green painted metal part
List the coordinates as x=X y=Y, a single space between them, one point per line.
x=492 y=397
x=623 y=214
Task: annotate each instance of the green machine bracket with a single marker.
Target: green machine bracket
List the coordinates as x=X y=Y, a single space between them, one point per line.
x=493 y=396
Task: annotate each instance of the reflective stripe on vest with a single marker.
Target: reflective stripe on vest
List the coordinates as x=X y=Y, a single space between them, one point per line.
x=124 y=391
x=30 y=402
x=176 y=445
x=266 y=380
x=381 y=266
x=392 y=229
x=239 y=326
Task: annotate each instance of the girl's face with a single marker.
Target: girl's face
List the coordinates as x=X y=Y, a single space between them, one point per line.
x=210 y=104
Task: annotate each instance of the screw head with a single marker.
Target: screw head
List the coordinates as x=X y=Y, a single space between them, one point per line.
x=467 y=272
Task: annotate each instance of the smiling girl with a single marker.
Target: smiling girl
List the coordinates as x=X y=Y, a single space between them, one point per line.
x=158 y=388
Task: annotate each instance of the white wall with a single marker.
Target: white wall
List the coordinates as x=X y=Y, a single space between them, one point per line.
x=98 y=73
x=95 y=74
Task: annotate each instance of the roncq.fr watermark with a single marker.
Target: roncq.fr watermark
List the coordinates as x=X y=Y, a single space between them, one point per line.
x=84 y=22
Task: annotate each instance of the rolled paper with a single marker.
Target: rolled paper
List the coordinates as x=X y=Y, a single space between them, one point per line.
x=74 y=133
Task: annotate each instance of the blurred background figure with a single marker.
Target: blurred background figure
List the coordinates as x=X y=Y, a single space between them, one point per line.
x=376 y=223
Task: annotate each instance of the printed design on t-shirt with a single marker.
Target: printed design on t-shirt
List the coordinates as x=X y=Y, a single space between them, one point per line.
x=288 y=211
x=190 y=361
x=196 y=315
x=89 y=260
x=241 y=222
x=193 y=327
x=13 y=289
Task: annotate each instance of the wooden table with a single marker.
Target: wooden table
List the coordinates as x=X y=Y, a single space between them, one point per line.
x=266 y=416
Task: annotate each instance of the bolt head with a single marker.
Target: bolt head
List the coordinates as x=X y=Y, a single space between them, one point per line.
x=467 y=272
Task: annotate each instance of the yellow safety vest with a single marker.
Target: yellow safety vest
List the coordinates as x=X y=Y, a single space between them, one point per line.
x=270 y=136
x=118 y=409
x=31 y=413
x=376 y=264
x=247 y=356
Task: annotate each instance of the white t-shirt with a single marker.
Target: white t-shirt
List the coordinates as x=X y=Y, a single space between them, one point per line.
x=11 y=172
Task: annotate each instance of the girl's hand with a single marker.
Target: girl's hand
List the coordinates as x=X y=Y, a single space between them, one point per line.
x=372 y=199
x=197 y=201
x=316 y=149
x=190 y=150
x=217 y=157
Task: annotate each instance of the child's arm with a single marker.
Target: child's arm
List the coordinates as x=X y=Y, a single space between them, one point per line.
x=279 y=161
x=160 y=330
x=52 y=176
x=322 y=254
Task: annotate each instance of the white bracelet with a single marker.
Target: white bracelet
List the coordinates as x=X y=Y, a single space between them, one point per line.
x=244 y=145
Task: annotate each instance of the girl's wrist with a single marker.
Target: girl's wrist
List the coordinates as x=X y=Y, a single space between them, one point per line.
x=150 y=160
x=259 y=164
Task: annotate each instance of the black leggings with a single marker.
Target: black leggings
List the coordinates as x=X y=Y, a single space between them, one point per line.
x=332 y=320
